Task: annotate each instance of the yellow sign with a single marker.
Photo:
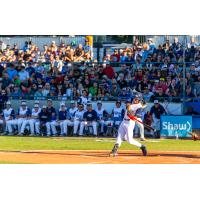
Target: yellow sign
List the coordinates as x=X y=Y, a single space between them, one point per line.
x=89 y=40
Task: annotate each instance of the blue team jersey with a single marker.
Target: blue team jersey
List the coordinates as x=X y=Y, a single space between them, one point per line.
x=62 y=115
x=90 y=116
x=50 y=111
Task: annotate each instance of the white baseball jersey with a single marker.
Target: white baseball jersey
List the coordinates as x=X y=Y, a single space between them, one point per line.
x=34 y=113
x=79 y=115
x=133 y=109
x=100 y=113
x=72 y=111
x=117 y=112
x=7 y=113
x=22 y=112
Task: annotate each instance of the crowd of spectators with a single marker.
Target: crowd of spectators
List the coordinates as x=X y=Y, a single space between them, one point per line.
x=60 y=71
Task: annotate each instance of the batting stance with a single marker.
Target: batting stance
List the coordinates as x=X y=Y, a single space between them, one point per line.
x=139 y=116
x=125 y=130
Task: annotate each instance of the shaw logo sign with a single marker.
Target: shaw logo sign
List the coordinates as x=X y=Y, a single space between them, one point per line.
x=173 y=126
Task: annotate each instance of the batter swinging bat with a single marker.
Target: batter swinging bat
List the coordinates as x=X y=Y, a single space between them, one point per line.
x=146 y=125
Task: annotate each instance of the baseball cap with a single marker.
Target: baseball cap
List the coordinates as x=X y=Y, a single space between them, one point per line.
x=39 y=86
x=155 y=101
x=89 y=103
x=36 y=106
x=118 y=101
x=99 y=102
x=37 y=102
x=8 y=103
x=23 y=103
x=44 y=106
x=62 y=104
x=72 y=102
x=49 y=100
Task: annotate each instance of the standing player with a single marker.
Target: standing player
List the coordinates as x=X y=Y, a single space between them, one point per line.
x=33 y=121
x=156 y=111
x=126 y=128
x=101 y=114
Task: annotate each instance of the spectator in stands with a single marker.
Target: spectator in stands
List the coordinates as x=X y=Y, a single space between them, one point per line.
x=79 y=53
x=6 y=81
x=39 y=93
x=93 y=90
x=23 y=74
x=12 y=72
x=147 y=94
x=16 y=93
x=124 y=95
x=29 y=66
x=108 y=71
x=46 y=90
x=159 y=95
x=115 y=57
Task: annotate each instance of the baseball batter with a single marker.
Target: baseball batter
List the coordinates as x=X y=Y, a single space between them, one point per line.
x=125 y=130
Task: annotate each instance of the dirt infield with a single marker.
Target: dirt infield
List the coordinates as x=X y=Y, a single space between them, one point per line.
x=99 y=157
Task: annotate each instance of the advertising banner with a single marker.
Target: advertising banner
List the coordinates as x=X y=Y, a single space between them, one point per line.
x=176 y=126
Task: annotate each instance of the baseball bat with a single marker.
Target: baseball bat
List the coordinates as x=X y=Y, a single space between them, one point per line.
x=146 y=125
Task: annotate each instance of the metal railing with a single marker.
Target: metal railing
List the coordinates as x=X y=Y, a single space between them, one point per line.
x=100 y=63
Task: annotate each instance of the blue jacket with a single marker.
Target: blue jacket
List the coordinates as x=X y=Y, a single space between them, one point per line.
x=62 y=115
x=90 y=116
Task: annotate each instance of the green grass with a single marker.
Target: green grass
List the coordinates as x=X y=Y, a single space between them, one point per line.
x=37 y=143
x=10 y=162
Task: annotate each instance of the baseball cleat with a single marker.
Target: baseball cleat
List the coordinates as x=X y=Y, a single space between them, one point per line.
x=113 y=154
x=144 y=150
x=142 y=139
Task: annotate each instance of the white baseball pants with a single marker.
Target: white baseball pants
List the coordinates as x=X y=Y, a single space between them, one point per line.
x=125 y=131
x=34 y=126
x=83 y=124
